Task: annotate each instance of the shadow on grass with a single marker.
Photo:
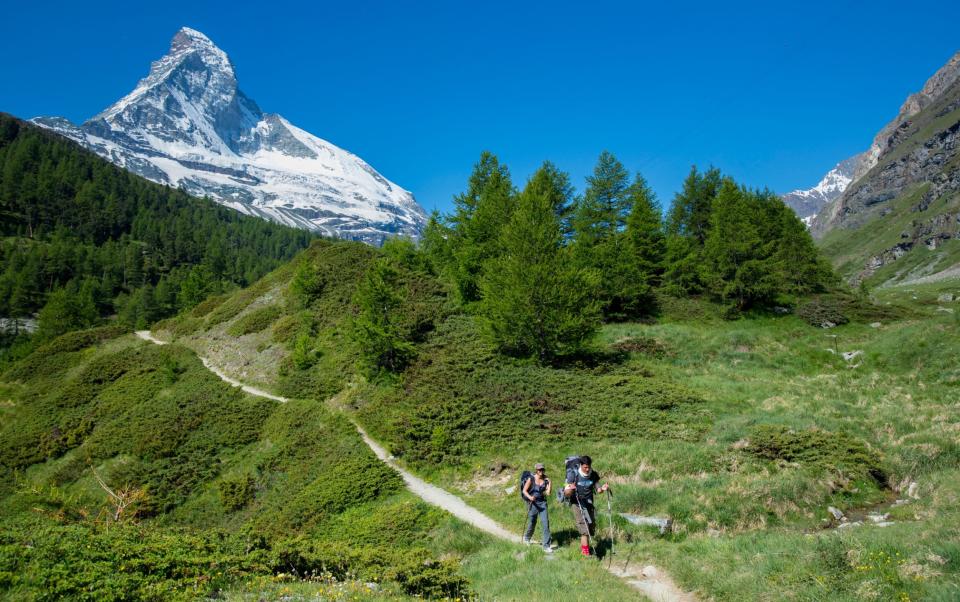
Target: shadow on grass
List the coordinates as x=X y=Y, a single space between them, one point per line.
x=571 y=537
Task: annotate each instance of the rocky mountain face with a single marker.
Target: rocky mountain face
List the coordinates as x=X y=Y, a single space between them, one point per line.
x=905 y=192
x=935 y=87
x=807 y=203
x=188 y=124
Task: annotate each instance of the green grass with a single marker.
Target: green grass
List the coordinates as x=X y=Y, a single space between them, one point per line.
x=743 y=432
x=784 y=428
x=207 y=459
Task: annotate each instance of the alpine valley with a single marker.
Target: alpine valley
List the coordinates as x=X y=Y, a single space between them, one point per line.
x=197 y=403
x=187 y=124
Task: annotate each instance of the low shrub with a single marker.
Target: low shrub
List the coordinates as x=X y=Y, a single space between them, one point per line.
x=255 y=321
x=460 y=396
x=51 y=357
x=237 y=493
x=641 y=345
x=816 y=448
x=822 y=312
x=43 y=560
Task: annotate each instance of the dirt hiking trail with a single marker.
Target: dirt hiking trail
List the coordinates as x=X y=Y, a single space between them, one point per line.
x=649 y=580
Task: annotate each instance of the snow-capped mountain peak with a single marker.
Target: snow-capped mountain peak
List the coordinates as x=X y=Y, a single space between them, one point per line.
x=188 y=124
x=806 y=203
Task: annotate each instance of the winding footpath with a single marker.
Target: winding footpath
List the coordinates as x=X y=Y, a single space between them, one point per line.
x=650 y=581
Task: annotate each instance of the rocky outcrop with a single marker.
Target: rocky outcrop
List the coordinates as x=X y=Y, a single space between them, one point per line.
x=890 y=135
x=931 y=233
x=929 y=163
x=910 y=150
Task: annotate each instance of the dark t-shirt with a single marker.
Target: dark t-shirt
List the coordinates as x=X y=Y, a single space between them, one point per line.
x=537 y=491
x=585 y=485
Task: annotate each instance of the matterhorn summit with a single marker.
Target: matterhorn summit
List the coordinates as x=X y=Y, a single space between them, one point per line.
x=188 y=124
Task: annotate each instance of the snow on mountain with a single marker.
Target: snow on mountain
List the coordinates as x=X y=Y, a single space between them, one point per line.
x=806 y=203
x=187 y=124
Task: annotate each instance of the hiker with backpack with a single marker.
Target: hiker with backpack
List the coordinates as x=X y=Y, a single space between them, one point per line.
x=534 y=489
x=581 y=485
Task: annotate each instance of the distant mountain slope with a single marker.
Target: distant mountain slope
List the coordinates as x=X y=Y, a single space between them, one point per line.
x=900 y=217
x=807 y=203
x=187 y=124
x=70 y=221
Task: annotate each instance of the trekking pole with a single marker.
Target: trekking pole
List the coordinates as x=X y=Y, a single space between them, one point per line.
x=526 y=519
x=610 y=521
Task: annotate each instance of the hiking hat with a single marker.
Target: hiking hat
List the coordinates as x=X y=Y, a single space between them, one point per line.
x=539 y=466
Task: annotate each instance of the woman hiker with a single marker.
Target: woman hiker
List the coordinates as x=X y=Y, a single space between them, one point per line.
x=535 y=493
x=580 y=486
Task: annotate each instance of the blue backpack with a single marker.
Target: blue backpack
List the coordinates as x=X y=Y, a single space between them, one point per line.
x=525 y=476
x=571 y=466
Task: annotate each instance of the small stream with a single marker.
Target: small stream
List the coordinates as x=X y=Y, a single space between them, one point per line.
x=876 y=515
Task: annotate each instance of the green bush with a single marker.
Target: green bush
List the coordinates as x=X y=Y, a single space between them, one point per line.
x=304 y=353
x=460 y=397
x=49 y=358
x=821 y=312
x=237 y=493
x=413 y=568
x=816 y=448
x=42 y=560
x=202 y=309
x=285 y=329
x=255 y=321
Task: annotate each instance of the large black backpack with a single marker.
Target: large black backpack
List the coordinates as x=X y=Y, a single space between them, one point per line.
x=571 y=465
x=525 y=476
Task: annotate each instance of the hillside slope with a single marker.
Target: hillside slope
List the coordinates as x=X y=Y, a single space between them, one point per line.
x=900 y=219
x=116 y=243
x=743 y=432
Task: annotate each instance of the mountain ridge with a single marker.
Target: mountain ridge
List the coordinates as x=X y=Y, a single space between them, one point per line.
x=899 y=221
x=188 y=124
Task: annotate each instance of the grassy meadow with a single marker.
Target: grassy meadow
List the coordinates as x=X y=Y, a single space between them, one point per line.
x=743 y=432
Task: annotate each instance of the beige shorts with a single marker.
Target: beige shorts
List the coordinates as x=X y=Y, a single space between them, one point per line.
x=583 y=526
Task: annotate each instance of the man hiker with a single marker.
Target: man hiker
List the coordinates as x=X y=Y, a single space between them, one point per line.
x=535 y=492
x=580 y=488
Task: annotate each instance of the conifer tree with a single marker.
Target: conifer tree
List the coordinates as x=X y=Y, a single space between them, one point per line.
x=735 y=266
x=800 y=267
x=603 y=210
x=307 y=284
x=645 y=231
x=437 y=243
x=480 y=214
x=535 y=301
x=599 y=240
x=687 y=226
x=377 y=328
x=618 y=232
x=64 y=311
x=690 y=212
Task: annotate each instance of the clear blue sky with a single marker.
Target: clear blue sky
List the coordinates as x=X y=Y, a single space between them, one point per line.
x=774 y=96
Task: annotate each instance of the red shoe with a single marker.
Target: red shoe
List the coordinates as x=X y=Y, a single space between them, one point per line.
x=585 y=550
